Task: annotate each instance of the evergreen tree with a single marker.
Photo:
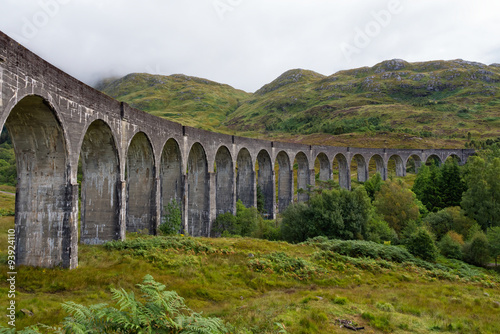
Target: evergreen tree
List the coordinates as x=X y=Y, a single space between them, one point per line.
x=451 y=184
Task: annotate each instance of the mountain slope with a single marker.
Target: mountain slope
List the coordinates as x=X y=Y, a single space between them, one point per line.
x=392 y=104
x=431 y=104
x=188 y=100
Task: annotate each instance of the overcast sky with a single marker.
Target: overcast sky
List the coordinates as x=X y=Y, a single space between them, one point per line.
x=248 y=43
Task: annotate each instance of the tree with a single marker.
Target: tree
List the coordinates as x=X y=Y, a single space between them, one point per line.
x=336 y=214
x=373 y=185
x=481 y=201
x=448 y=219
x=451 y=184
x=439 y=187
x=396 y=204
x=493 y=236
x=476 y=251
x=450 y=246
x=421 y=244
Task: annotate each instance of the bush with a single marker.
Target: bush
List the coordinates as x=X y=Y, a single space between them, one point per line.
x=333 y=213
x=379 y=231
x=450 y=247
x=172 y=220
x=421 y=244
x=476 y=250
x=245 y=223
x=225 y=223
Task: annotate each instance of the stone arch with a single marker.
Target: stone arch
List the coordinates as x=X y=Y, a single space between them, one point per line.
x=325 y=168
x=245 y=178
x=101 y=185
x=376 y=164
x=140 y=172
x=362 y=168
x=224 y=181
x=454 y=157
x=343 y=171
x=399 y=166
x=45 y=220
x=198 y=192
x=265 y=182
x=171 y=179
x=303 y=176
x=433 y=158
x=413 y=163
x=285 y=181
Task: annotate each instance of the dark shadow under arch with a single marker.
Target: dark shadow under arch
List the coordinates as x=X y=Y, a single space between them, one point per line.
x=198 y=222
x=46 y=233
x=141 y=213
x=100 y=208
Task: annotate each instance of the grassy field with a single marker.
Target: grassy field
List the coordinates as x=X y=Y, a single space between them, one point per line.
x=255 y=284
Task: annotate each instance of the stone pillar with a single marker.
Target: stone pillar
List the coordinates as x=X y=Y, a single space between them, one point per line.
x=122 y=207
x=212 y=202
x=70 y=241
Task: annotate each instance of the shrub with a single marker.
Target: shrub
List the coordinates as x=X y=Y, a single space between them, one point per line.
x=245 y=223
x=172 y=220
x=476 y=250
x=422 y=245
x=379 y=230
x=335 y=213
x=450 y=247
x=225 y=223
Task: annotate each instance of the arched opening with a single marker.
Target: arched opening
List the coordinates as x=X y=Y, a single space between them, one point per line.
x=265 y=184
x=100 y=209
x=224 y=179
x=303 y=176
x=245 y=179
x=375 y=165
x=45 y=223
x=341 y=168
x=413 y=164
x=433 y=159
x=322 y=168
x=284 y=181
x=140 y=185
x=198 y=223
x=454 y=157
x=359 y=168
x=171 y=182
x=396 y=167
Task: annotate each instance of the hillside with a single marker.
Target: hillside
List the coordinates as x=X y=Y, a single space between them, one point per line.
x=392 y=104
x=188 y=100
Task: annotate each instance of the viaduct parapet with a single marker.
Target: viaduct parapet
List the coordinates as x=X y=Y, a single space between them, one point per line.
x=134 y=163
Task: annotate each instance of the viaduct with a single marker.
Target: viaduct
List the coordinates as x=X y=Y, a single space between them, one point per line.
x=133 y=164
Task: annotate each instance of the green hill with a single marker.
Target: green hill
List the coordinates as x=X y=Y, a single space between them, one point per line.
x=188 y=100
x=392 y=104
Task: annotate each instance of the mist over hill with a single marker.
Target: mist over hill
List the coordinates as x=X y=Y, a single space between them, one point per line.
x=391 y=104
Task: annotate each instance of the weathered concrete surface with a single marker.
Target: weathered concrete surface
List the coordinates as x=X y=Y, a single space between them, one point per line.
x=134 y=163
x=101 y=186
x=141 y=190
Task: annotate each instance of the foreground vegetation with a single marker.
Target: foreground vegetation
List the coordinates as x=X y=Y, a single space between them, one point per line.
x=254 y=285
